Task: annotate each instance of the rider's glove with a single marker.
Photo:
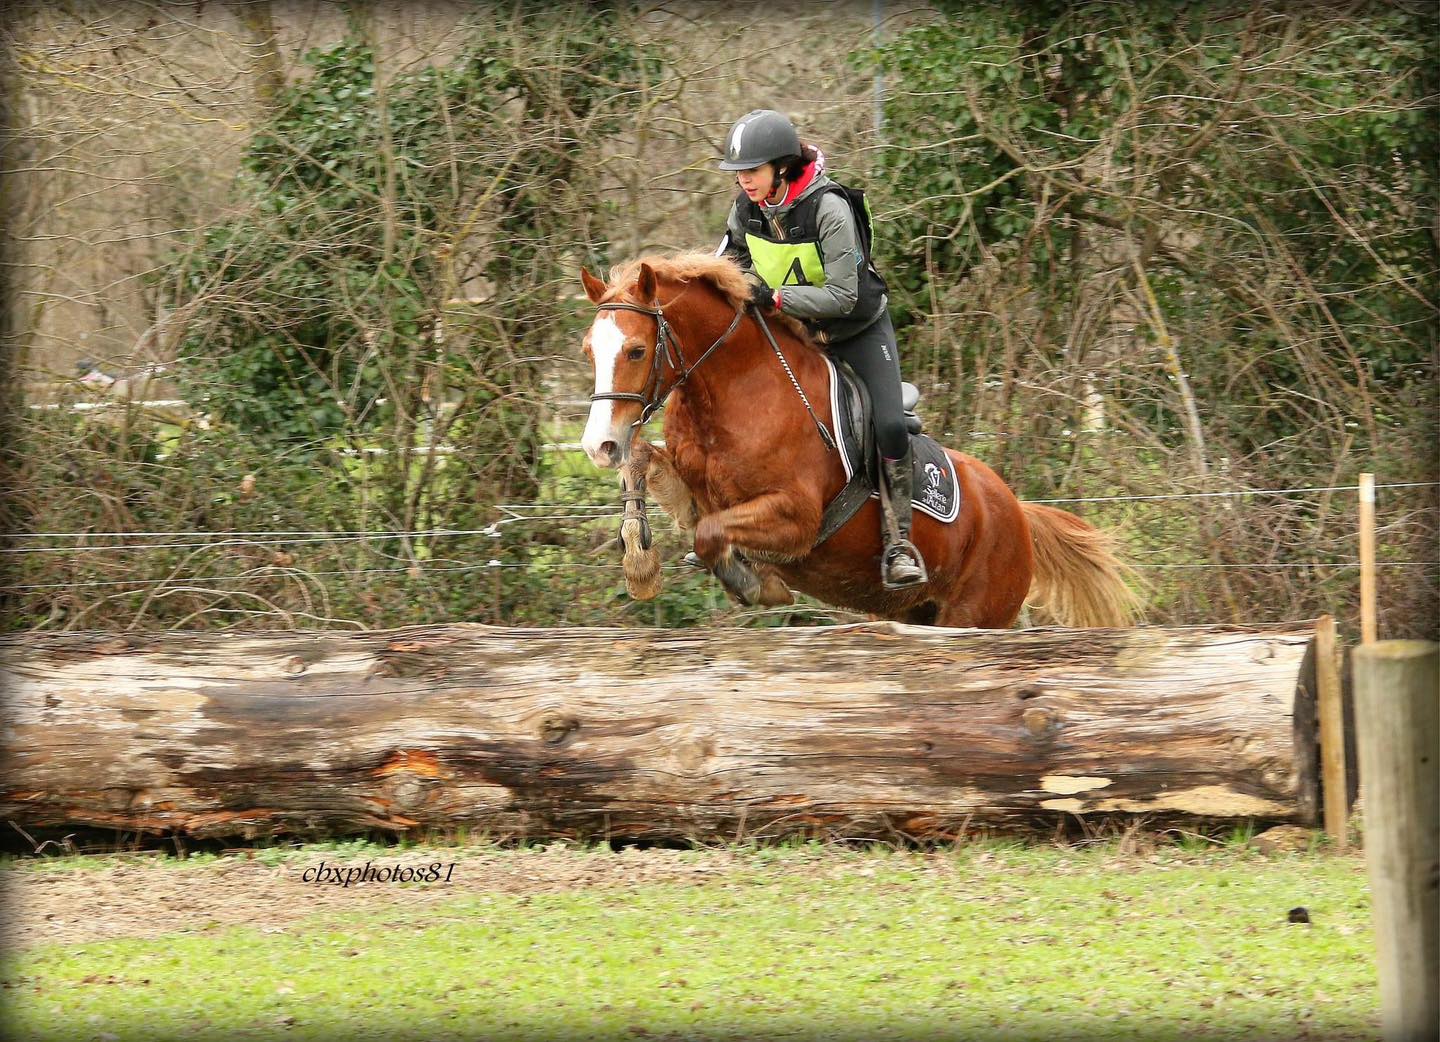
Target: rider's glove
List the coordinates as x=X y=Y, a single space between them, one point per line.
x=762 y=296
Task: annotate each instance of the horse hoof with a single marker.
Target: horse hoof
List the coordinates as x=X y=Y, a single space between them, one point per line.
x=745 y=598
x=744 y=588
x=773 y=591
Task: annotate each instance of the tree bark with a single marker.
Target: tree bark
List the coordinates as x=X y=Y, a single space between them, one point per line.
x=258 y=20
x=876 y=729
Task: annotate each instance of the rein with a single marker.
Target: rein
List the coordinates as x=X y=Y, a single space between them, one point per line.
x=765 y=328
x=665 y=337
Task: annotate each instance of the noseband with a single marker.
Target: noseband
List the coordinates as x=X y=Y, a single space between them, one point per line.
x=665 y=339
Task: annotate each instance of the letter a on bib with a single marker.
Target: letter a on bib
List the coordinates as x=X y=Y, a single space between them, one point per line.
x=786 y=263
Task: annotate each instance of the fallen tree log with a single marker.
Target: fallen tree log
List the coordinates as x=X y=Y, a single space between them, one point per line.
x=864 y=730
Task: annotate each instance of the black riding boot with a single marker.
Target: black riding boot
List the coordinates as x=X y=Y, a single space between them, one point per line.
x=901 y=563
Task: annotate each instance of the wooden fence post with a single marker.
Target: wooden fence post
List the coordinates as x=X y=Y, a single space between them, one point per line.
x=1397 y=710
x=1332 y=734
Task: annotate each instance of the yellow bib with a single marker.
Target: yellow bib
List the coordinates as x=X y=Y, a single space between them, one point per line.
x=783 y=264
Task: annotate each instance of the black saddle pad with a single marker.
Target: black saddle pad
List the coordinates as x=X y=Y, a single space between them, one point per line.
x=936 y=488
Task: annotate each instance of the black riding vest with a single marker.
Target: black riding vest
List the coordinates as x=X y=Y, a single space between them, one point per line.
x=796 y=258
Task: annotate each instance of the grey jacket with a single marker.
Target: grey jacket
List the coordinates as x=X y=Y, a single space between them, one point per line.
x=840 y=251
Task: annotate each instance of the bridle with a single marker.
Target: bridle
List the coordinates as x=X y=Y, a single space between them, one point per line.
x=651 y=398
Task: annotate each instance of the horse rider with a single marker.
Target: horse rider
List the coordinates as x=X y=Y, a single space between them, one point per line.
x=806 y=240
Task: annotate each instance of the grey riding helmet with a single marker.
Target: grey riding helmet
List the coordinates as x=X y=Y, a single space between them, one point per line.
x=758 y=137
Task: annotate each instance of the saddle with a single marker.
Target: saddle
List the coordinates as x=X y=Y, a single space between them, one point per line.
x=937 y=489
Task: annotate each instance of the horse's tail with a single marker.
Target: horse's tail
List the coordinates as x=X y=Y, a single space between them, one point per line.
x=1078 y=579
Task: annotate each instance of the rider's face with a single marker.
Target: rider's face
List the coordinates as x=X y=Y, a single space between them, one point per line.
x=757 y=182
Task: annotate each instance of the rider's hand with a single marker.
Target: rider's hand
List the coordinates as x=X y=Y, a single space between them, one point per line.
x=762 y=296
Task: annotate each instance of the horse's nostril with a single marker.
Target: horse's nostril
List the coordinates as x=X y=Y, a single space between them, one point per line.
x=607 y=449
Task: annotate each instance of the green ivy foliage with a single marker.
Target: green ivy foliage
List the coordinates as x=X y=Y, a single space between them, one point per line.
x=1214 y=224
x=319 y=302
x=998 y=115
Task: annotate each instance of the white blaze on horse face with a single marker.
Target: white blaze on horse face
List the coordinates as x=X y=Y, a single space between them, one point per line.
x=606 y=340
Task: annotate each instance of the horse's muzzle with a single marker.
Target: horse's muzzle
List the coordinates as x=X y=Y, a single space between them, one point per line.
x=606 y=455
x=609 y=450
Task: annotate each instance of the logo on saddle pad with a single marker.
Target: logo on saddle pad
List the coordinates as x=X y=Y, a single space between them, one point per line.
x=932 y=495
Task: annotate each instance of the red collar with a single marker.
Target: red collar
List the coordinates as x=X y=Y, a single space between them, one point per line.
x=798 y=185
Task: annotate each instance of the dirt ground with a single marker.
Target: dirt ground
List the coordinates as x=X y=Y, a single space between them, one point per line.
x=144 y=896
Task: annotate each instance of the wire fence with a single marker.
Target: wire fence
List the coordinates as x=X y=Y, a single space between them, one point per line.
x=520 y=513
x=423 y=571
x=573 y=512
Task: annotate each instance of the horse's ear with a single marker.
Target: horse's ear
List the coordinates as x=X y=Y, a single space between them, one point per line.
x=594 y=288
x=645 y=283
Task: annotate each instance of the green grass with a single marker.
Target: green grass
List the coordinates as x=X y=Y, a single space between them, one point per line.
x=995 y=942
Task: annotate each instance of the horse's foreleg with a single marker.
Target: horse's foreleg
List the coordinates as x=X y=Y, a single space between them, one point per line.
x=774 y=525
x=641 y=560
x=676 y=499
x=669 y=489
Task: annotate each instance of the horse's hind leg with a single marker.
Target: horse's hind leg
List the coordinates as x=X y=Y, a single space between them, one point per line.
x=975 y=610
x=923 y=614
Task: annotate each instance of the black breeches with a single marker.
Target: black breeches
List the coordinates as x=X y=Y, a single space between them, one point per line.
x=873 y=355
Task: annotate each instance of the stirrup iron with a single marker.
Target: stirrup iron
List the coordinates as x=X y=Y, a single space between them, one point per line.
x=903 y=566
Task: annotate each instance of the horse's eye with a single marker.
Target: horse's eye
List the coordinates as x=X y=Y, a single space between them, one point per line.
x=635 y=354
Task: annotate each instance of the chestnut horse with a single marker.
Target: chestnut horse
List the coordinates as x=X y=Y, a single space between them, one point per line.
x=745 y=468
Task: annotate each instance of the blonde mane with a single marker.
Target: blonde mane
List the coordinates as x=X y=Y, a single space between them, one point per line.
x=720 y=272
